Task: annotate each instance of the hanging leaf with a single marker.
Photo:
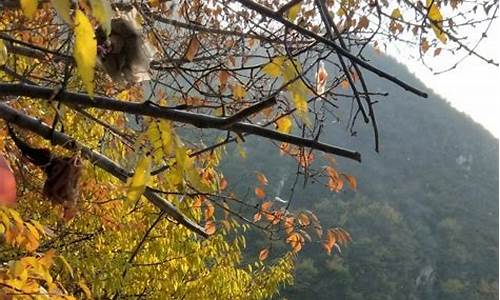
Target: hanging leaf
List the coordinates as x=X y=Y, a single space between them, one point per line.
x=63 y=9
x=263 y=254
x=436 y=18
x=3 y=53
x=192 y=50
x=85 y=50
x=140 y=179
x=29 y=8
x=285 y=124
x=294 y=11
x=102 y=11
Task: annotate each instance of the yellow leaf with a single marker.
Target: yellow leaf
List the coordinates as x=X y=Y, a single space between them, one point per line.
x=101 y=9
x=192 y=49
x=273 y=68
x=239 y=91
x=29 y=8
x=396 y=14
x=436 y=17
x=3 y=53
x=85 y=50
x=263 y=254
x=63 y=8
x=85 y=289
x=285 y=124
x=66 y=265
x=294 y=11
x=140 y=179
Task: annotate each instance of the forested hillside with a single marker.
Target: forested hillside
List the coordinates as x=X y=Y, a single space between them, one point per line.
x=424 y=218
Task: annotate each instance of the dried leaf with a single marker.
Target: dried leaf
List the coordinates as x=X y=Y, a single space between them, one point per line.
x=192 y=50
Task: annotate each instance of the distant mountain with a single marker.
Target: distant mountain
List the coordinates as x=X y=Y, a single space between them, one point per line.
x=425 y=216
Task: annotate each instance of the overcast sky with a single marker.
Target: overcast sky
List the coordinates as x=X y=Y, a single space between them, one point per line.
x=474 y=87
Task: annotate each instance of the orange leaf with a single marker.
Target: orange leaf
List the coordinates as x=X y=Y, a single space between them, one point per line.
x=209 y=209
x=263 y=254
x=303 y=219
x=210 y=227
x=257 y=217
x=259 y=192
x=262 y=178
x=352 y=181
x=296 y=241
x=266 y=206
x=289 y=225
x=192 y=49
x=223 y=184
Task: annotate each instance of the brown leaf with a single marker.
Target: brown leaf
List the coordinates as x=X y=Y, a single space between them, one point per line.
x=192 y=49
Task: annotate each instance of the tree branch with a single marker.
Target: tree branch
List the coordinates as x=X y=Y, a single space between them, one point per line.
x=278 y=18
x=146 y=109
x=15 y=117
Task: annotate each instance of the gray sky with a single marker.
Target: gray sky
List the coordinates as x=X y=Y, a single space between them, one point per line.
x=474 y=86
